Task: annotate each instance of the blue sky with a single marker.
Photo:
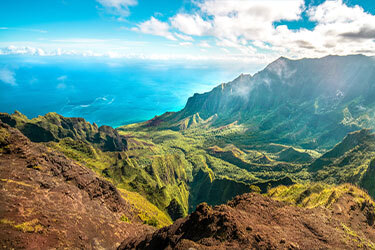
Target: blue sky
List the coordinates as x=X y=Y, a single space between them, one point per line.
x=248 y=31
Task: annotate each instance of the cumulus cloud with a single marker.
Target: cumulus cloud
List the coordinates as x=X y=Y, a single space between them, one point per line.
x=254 y=30
x=235 y=19
x=8 y=76
x=362 y=33
x=191 y=24
x=118 y=7
x=340 y=29
x=253 y=26
x=155 y=27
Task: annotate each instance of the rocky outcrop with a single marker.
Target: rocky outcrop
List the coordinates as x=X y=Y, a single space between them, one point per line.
x=54 y=127
x=252 y=221
x=48 y=201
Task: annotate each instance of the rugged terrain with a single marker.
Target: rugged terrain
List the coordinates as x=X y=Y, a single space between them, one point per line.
x=54 y=127
x=277 y=133
x=311 y=103
x=345 y=220
x=48 y=201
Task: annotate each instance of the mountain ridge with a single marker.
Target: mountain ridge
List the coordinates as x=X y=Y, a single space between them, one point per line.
x=48 y=200
x=252 y=221
x=332 y=95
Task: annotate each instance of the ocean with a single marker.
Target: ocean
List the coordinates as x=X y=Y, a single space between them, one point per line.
x=107 y=91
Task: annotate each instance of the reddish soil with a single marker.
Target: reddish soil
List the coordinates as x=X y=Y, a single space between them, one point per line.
x=48 y=201
x=253 y=221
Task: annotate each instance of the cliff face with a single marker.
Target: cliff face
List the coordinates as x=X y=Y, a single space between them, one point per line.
x=48 y=201
x=54 y=127
x=312 y=103
x=252 y=221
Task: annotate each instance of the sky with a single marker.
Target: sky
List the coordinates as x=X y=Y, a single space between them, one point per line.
x=226 y=31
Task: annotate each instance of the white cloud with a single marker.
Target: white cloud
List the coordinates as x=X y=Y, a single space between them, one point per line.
x=249 y=27
x=228 y=59
x=204 y=44
x=80 y=40
x=191 y=24
x=8 y=76
x=155 y=27
x=225 y=50
x=186 y=43
x=22 y=50
x=230 y=19
x=340 y=30
x=246 y=30
x=118 y=7
x=184 y=37
x=24 y=29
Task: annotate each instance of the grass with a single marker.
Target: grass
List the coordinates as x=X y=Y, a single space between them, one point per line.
x=354 y=236
x=124 y=218
x=26 y=227
x=17 y=182
x=85 y=153
x=120 y=173
x=317 y=194
x=4 y=135
x=147 y=212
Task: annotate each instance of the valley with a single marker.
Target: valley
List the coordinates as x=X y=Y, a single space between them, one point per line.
x=296 y=137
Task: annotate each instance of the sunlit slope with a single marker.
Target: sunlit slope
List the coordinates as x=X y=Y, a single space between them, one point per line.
x=312 y=103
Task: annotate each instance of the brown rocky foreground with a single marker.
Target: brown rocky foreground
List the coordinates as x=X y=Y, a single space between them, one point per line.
x=253 y=221
x=47 y=201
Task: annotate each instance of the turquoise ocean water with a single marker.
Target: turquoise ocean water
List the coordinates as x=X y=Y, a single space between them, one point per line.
x=102 y=90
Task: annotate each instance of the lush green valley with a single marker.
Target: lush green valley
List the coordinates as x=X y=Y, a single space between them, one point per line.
x=223 y=144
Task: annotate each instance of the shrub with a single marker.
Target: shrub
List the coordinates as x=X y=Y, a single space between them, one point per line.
x=124 y=218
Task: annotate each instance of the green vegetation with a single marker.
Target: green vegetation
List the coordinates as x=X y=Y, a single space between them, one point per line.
x=317 y=194
x=146 y=210
x=354 y=236
x=349 y=161
x=4 y=135
x=165 y=173
x=54 y=127
x=26 y=227
x=17 y=183
x=124 y=218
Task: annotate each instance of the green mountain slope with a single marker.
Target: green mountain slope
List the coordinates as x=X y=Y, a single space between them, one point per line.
x=351 y=160
x=53 y=127
x=312 y=103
